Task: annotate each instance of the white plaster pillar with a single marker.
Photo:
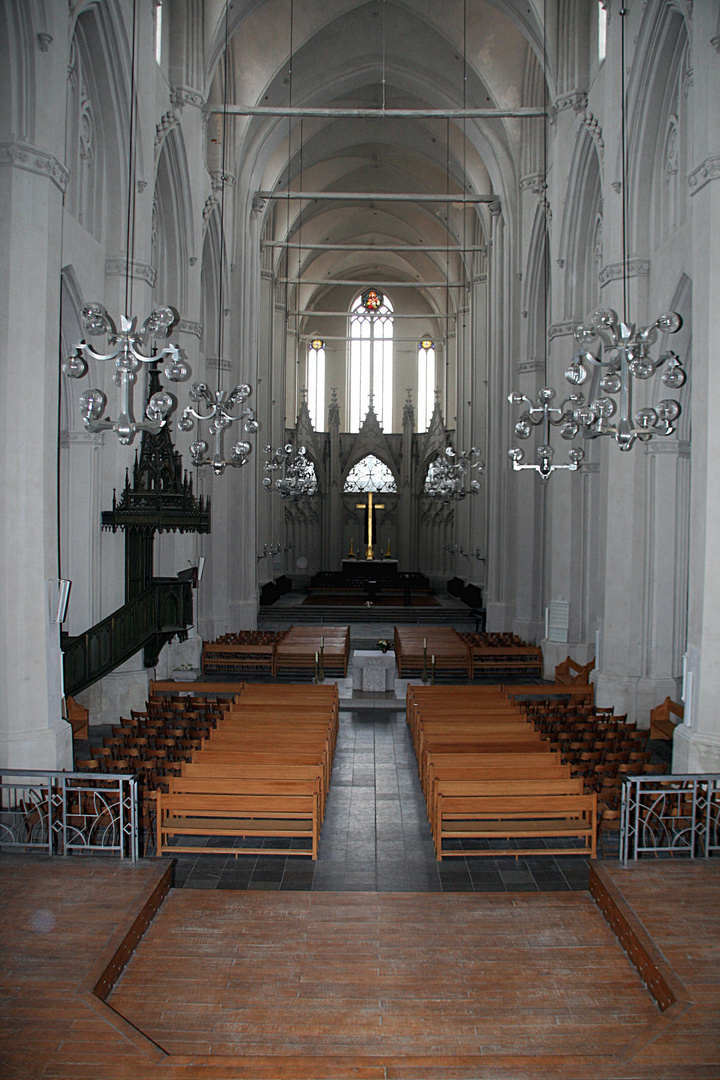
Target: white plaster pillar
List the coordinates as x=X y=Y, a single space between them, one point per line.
x=696 y=745
x=500 y=609
x=32 y=731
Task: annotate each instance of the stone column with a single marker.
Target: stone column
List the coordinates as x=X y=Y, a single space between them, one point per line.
x=32 y=181
x=499 y=609
x=697 y=740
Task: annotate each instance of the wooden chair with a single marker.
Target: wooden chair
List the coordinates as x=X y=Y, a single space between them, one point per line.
x=87 y=765
x=608 y=822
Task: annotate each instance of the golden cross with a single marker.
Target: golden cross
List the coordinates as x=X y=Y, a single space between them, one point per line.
x=369 y=554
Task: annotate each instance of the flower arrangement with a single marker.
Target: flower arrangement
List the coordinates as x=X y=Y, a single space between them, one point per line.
x=384 y=645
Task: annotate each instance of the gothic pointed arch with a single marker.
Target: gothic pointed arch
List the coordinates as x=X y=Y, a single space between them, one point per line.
x=581 y=243
x=305 y=435
x=431 y=445
x=370 y=440
x=657 y=109
x=537 y=286
x=173 y=233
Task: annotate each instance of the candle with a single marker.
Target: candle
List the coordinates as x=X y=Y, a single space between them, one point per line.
x=322 y=642
x=316 y=658
x=424 y=643
x=432 y=659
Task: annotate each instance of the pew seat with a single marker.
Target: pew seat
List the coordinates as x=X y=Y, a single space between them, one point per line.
x=511 y=817
x=248 y=816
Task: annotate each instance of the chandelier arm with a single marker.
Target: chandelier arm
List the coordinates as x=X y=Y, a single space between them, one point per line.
x=89 y=351
x=555 y=416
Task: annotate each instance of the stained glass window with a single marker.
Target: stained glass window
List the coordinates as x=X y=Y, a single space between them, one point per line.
x=370 y=474
x=371 y=358
x=316 y=383
x=426 y=383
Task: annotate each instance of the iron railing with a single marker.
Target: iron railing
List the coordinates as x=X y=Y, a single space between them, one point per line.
x=165 y=608
x=670 y=815
x=60 y=813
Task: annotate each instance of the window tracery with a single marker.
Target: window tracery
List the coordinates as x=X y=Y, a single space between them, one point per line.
x=370 y=474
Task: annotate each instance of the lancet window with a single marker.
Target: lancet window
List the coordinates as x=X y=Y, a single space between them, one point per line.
x=371 y=358
x=426 y=383
x=316 y=382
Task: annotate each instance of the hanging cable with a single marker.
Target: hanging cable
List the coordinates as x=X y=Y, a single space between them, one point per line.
x=623 y=141
x=221 y=255
x=544 y=207
x=130 y=227
x=384 y=46
x=447 y=256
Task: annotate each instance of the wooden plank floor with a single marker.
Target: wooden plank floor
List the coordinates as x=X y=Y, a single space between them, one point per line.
x=319 y=985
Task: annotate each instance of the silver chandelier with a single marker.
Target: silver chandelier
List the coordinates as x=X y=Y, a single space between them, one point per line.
x=548 y=415
x=297 y=480
x=130 y=347
x=626 y=358
x=221 y=416
x=448 y=477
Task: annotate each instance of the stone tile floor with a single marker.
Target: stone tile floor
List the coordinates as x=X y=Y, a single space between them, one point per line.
x=376 y=835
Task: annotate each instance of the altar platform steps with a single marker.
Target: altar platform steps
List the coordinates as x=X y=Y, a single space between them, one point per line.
x=290 y=610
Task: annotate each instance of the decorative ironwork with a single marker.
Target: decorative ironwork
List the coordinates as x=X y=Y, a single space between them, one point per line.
x=62 y=813
x=298 y=478
x=130 y=347
x=448 y=476
x=549 y=415
x=371 y=474
x=672 y=815
x=220 y=407
x=626 y=358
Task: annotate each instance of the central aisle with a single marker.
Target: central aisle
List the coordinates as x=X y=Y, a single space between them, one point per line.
x=376 y=836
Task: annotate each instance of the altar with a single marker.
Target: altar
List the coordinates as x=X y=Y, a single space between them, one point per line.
x=373 y=671
x=370 y=569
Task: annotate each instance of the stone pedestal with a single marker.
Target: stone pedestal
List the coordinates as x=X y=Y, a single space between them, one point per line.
x=373 y=671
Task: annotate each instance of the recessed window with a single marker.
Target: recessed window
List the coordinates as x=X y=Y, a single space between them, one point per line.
x=371 y=358
x=601 y=31
x=426 y=383
x=316 y=382
x=158 y=31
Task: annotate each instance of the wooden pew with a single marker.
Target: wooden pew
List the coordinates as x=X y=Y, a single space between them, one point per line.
x=517 y=816
x=261 y=813
x=296 y=651
x=506 y=658
x=528 y=785
x=268 y=770
x=468 y=767
x=450 y=651
x=662 y=726
x=219 y=656
x=77 y=717
x=571 y=673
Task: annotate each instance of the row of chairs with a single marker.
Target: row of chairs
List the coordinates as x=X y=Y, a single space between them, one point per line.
x=600 y=747
x=154 y=743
